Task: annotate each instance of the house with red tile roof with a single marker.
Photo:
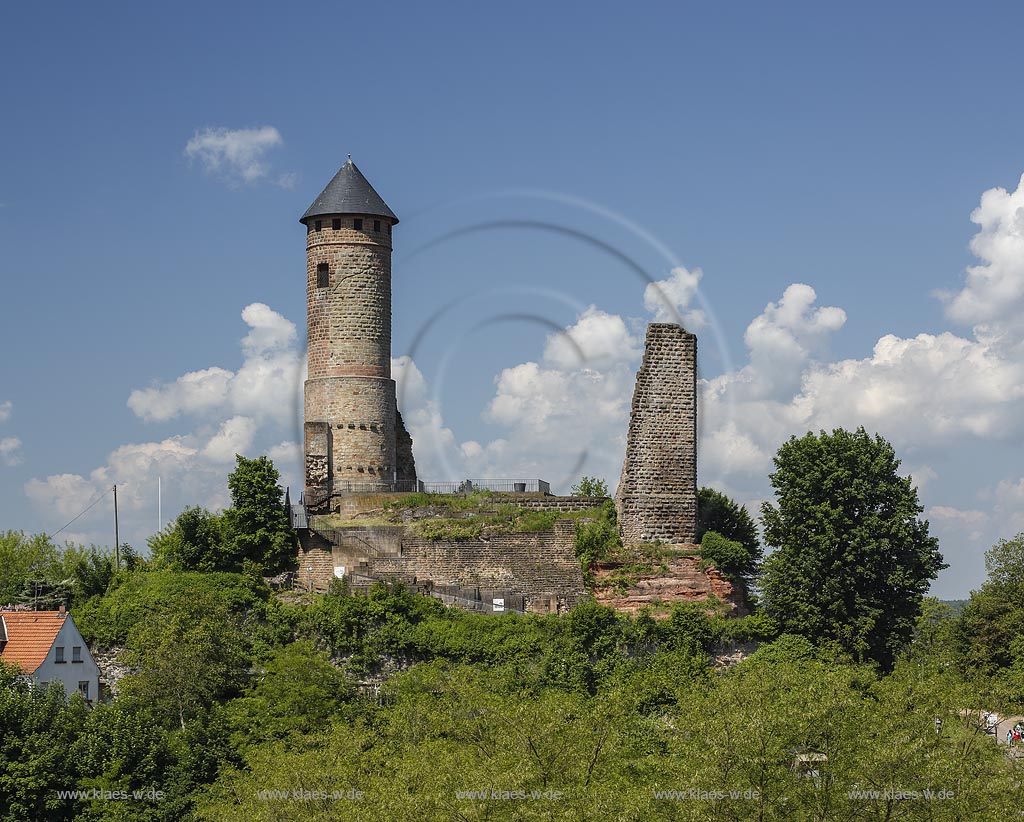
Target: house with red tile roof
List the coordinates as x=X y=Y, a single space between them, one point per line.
x=49 y=649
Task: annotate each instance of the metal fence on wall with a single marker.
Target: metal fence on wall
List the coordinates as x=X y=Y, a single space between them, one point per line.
x=498 y=486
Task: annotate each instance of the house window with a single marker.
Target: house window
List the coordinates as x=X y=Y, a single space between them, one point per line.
x=317 y=226
x=60 y=654
x=76 y=653
x=323 y=275
x=336 y=224
x=83 y=688
x=358 y=223
x=376 y=226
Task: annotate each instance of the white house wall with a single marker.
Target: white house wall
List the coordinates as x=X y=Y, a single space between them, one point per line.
x=69 y=673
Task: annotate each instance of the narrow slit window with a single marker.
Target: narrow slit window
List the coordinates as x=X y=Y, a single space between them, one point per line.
x=357 y=223
x=317 y=226
x=323 y=275
x=376 y=226
x=336 y=224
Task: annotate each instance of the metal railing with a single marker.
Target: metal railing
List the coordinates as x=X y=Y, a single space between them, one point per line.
x=498 y=486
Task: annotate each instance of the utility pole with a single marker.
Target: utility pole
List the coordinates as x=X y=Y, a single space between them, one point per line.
x=117 y=538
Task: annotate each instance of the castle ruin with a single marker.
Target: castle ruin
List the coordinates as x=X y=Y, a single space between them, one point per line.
x=354 y=438
x=657 y=495
x=359 y=456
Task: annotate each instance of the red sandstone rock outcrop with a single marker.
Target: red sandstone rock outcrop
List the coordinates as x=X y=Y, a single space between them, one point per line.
x=683 y=581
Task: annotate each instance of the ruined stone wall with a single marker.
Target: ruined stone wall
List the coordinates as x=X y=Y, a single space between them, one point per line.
x=540 y=566
x=404 y=458
x=535 y=565
x=551 y=503
x=657 y=495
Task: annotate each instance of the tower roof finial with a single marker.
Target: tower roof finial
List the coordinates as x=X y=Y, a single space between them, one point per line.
x=349 y=193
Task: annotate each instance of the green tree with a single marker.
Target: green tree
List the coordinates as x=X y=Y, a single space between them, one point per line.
x=853 y=558
x=717 y=512
x=257 y=521
x=590 y=487
x=196 y=541
x=38 y=726
x=90 y=569
x=596 y=536
x=24 y=559
x=298 y=691
x=187 y=658
x=990 y=632
x=1004 y=563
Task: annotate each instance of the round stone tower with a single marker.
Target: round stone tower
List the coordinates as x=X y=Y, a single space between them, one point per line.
x=354 y=438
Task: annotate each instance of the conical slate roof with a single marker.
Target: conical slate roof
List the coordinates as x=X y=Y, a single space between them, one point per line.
x=349 y=193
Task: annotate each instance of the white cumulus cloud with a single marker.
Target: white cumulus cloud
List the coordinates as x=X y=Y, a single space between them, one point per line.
x=235 y=436
x=265 y=387
x=251 y=411
x=993 y=293
x=237 y=155
x=597 y=339
x=669 y=300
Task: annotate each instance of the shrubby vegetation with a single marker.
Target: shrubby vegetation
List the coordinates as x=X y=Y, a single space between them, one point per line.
x=590 y=487
x=604 y=708
x=252 y=535
x=404 y=706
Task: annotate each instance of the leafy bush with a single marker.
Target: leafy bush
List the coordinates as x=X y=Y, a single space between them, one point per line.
x=596 y=538
x=730 y=557
x=717 y=512
x=590 y=487
x=757 y=627
x=536 y=520
x=138 y=596
x=450 y=530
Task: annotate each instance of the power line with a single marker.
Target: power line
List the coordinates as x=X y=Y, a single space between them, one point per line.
x=91 y=504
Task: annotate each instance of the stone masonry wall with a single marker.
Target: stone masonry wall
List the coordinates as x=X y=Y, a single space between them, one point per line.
x=551 y=503
x=350 y=320
x=404 y=459
x=349 y=337
x=657 y=495
x=540 y=566
x=361 y=414
x=535 y=565
x=316 y=562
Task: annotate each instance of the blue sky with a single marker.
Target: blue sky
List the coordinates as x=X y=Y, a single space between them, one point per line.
x=802 y=177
